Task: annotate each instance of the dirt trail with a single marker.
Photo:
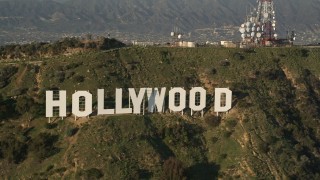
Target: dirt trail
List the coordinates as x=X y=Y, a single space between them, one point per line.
x=71 y=141
x=38 y=81
x=20 y=76
x=248 y=140
x=209 y=85
x=290 y=77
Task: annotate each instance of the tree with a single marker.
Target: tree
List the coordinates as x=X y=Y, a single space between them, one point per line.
x=43 y=145
x=212 y=120
x=3 y=108
x=78 y=79
x=173 y=170
x=92 y=173
x=26 y=106
x=13 y=150
x=23 y=104
x=7 y=108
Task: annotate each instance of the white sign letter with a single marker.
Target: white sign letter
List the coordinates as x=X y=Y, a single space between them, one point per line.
x=202 y=101
x=61 y=103
x=76 y=102
x=101 y=109
x=119 y=109
x=137 y=100
x=173 y=93
x=156 y=99
x=217 y=100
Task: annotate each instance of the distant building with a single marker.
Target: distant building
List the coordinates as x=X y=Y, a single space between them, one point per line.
x=212 y=43
x=142 y=43
x=185 y=44
x=228 y=44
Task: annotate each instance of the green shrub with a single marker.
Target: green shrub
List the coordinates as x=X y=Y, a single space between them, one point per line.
x=225 y=63
x=72 y=131
x=183 y=134
x=166 y=56
x=238 y=56
x=73 y=65
x=60 y=170
x=263 y=147
x=24 y=104
x=213 y=71
x=43 y=145
x=13 y=150
x=92 y=173
x=223 y=156
x=78 y=79
x=227 y=134
x=231 y=123
x=50 y=125
x=5 y=74
x=50 y=167
x=249 y=50
x=59 y=76
x=302 y=52
x=214 y=140
x=212 y=120
x=69 y=74
x=173 y=170
x=19 y=91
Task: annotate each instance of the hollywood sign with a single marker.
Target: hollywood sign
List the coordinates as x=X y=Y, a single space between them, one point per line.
x=155 y=98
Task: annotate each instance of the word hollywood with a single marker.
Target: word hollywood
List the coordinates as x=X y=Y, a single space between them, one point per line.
x=155 y=98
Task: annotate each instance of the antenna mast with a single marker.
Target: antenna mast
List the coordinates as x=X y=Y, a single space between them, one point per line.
x=260 y=26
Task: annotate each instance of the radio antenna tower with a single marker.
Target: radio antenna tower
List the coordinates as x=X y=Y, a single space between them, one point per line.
x=259 y=28
x=176 y=35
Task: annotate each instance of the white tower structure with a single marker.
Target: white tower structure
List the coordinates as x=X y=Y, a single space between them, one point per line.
x=260 y=26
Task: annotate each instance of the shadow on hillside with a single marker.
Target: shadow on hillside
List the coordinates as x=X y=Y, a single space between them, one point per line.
x=157 y=143
x=203 y=171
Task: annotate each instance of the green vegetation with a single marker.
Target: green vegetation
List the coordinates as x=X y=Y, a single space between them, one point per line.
x=63 y=46
x=271 y=132
x=173 y=169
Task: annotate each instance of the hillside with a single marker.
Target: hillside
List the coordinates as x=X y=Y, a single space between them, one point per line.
x=271 y=132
